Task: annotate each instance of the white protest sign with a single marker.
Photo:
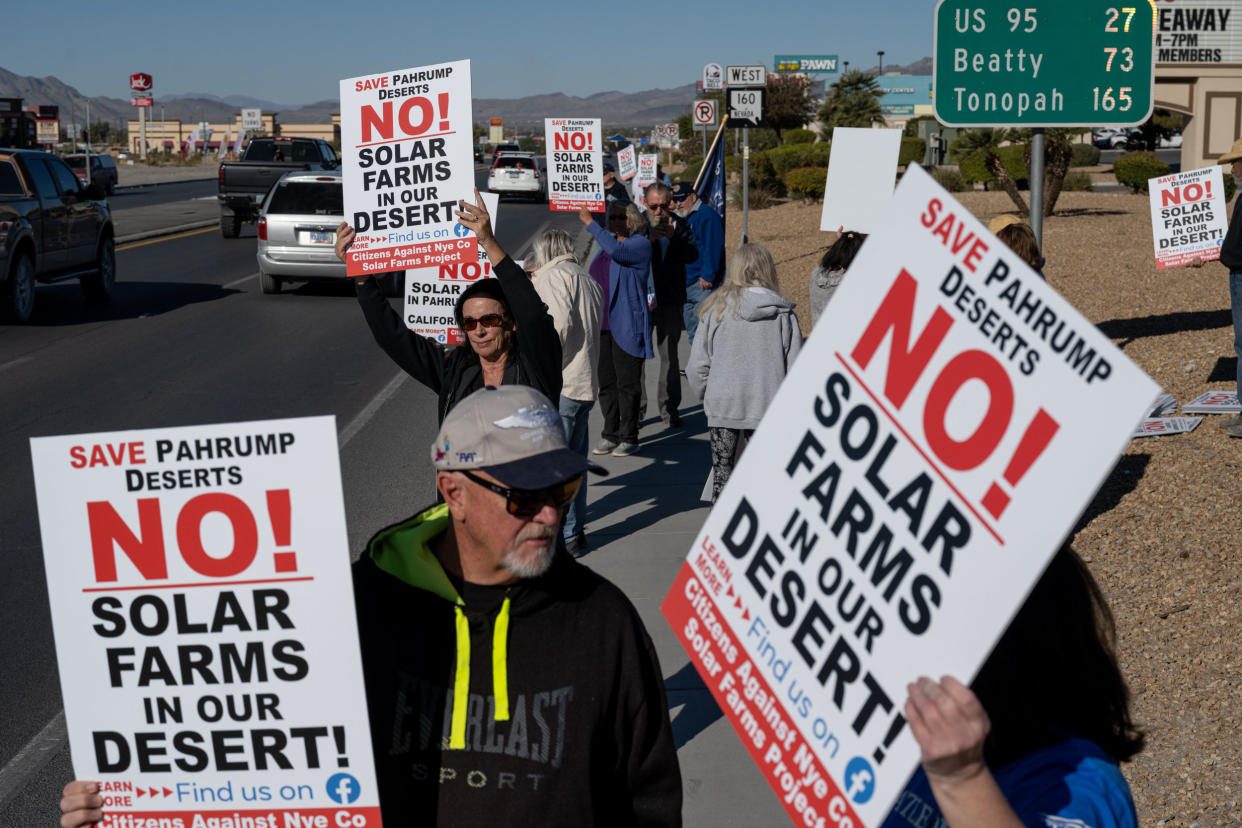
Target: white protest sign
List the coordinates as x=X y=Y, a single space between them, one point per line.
x=407 y=157
x=1158 y=426
x=647 y=163
x=627 y=164
x=1214 y=402
x=1187 y=216
x=575 y=164
x=204 y=622
x=431 y=292
x=922 y=461
x=862 y=168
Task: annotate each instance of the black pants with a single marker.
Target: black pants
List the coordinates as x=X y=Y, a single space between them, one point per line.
x=668 y=327
x=619 y=386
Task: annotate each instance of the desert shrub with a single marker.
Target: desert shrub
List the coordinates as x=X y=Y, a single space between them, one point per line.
x=691 y=171
x=1076 y=181
x=798 y=136
x=806 y=182
x=973 y=169
x=763 y=139
x=793 y=156
x=760 y=197
x=950 y=179
x=1134 y=168
x=912 y=126
x=912 y=149
x=1084 y=155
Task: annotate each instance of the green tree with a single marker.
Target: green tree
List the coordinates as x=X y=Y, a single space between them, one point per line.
x=480 y=132
x=853 y=101
x=789 y=103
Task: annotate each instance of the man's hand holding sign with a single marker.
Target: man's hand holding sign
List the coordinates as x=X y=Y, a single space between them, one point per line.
x=895 y=505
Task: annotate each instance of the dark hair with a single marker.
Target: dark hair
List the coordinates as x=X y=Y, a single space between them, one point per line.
x=1054 y=673
x=843 y=251
x=1021 y=240
x=482 y=289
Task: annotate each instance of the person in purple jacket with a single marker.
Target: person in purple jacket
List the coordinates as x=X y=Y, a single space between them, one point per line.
x=627 y=340
x=1037 y=739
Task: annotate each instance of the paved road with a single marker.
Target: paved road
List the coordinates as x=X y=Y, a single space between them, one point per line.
x=186 y=339
x=1172 y=157
x=150 y=195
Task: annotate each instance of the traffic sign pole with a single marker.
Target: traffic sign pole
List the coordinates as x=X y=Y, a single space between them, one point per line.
x=745 y=185
x=1037 y=185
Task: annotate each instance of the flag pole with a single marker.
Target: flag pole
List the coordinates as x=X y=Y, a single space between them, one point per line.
x=698 y=178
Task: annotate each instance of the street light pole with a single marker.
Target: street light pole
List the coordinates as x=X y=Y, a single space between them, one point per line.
x=881 y=54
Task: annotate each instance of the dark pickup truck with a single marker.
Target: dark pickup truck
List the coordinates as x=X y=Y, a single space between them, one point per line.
x=245 y=183
x=51 y=228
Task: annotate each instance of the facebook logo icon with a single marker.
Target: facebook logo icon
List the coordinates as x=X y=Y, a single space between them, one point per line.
x=859 y=780
x=343 y=789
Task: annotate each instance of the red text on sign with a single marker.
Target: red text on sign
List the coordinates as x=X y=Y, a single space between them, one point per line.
x=953 y=234
x=1191 y=192
x=108 y=454
x=414 y=118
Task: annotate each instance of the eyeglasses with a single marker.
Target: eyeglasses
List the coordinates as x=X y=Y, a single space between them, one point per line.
x=680 y=199
x=489 y=320
x=528 y=502
x=658 y=206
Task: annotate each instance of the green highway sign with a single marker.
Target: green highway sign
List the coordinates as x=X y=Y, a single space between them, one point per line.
x=1052 y=63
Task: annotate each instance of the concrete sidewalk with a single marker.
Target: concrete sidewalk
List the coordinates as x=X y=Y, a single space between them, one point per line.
x=641 y=522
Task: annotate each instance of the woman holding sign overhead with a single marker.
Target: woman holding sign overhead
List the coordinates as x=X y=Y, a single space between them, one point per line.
x=1038 y=740
x=511 y=336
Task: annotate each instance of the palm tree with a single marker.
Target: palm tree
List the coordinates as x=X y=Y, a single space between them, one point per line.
x=985 y=142
x=853 y=101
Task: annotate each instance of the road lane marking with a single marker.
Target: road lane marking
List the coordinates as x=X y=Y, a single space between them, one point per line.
x=166 y=238
x=370 y=409
x=242 y=280
x=12 y=363
x=32 y=757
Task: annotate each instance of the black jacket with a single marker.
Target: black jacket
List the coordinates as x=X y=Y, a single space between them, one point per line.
x=586 y=741
x=1231 y=248
x=669 y=268
x=535 y=359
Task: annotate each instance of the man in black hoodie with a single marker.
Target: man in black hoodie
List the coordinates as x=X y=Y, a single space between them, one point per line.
x=507 y=683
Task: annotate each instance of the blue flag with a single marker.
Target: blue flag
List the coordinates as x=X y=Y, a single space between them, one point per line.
x=710 y=188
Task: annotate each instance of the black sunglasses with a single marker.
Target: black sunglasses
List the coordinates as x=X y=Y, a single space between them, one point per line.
x=680 y=199
x=528 y=502
x=488 y=320
x=651 y=206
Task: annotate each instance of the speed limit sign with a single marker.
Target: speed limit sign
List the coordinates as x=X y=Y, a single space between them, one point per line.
x=705 y=113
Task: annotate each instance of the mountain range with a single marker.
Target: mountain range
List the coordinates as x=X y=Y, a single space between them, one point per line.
x=618 y=109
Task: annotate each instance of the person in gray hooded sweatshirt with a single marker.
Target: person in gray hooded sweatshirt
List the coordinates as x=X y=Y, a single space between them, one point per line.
x=748 y=338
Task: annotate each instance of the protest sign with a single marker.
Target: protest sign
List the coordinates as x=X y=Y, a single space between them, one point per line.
x=1187 y=216
x=1158 y=426
x=575 y=164
x=431 y=292
x=407 y=157
x=1214 y=402
x=862 y=169
x=204 y=622
x=647 y=163
x=628 y=166
x=930 y=449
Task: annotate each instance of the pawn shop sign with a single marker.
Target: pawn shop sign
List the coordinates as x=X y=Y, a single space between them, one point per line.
x=140 y=82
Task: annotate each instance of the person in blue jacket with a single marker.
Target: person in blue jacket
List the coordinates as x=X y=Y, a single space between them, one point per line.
x=703 y=275
x=627 y=342
x=1037 y=739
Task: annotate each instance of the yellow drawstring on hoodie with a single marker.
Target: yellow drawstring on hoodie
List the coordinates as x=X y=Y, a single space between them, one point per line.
x=461 y=679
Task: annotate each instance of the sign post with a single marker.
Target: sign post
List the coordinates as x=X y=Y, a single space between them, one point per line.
x=141 y=83
x=745 y=109
x=1059 y=63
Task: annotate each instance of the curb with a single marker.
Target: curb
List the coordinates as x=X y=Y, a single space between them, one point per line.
x=162 y=183
x=166 y=231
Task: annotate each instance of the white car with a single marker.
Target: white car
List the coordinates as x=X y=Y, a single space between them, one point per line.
x=516 y=173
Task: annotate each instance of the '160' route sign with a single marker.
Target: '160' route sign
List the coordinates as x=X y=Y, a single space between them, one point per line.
x=1053 y=63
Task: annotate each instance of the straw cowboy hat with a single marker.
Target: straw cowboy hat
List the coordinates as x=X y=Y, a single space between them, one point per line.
x=1001 y=222
x=1234 y=154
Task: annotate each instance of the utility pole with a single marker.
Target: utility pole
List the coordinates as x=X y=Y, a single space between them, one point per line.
x=881 y=54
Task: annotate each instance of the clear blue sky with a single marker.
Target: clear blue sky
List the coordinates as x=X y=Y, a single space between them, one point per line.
x=294 y=53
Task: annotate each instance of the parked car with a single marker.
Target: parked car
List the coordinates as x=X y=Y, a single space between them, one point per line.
x=103 y=170
x=242 y=185
x=516 y=173
x=297 y=231
x=51 y=229
x=500 y=149
x=1171 y=141
x=478 y=154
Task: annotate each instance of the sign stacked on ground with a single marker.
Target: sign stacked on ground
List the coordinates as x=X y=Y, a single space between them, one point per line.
x=575 y=164
x=431 y=292
x=204 y=623
x=407 y=158
x=948 y=420
x=1188 y=216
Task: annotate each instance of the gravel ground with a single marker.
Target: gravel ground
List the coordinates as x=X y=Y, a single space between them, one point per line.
x=1161 y=534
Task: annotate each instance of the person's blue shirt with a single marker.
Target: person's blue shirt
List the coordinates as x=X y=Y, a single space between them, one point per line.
x=1071 y=784
x=628 y=316
x=709 y=237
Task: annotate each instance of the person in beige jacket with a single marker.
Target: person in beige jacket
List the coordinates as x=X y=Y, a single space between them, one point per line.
x=575 y=303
